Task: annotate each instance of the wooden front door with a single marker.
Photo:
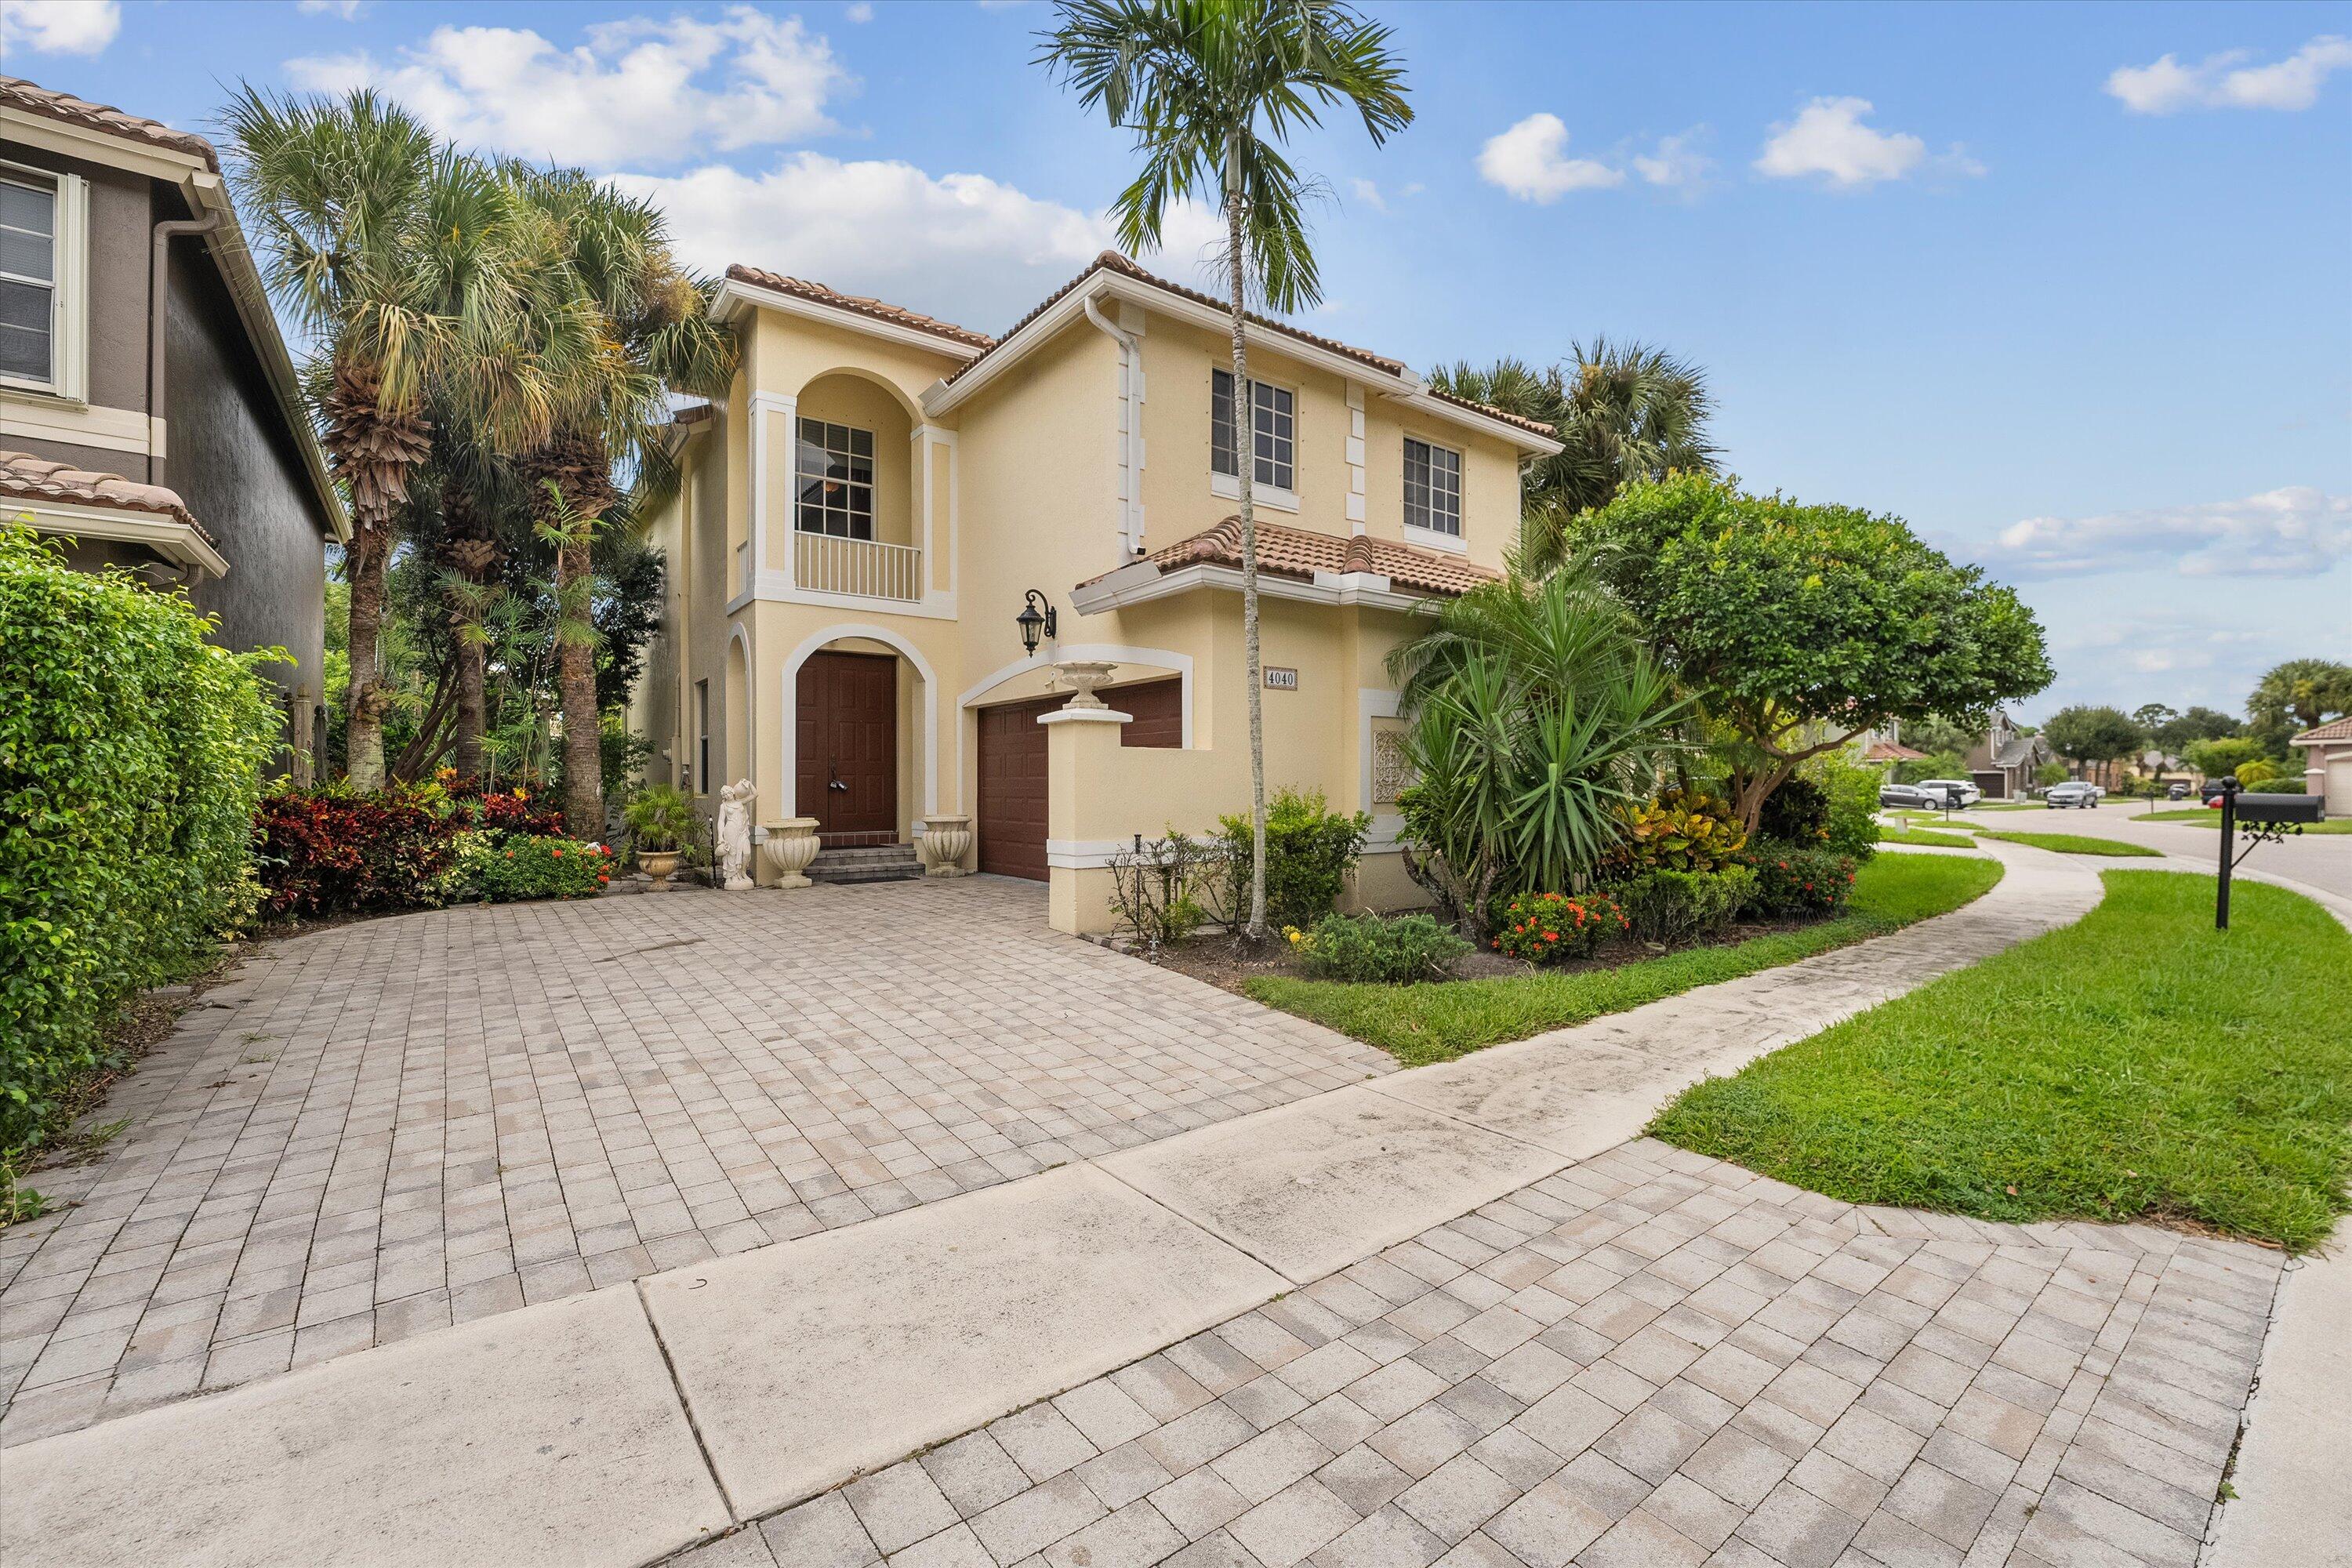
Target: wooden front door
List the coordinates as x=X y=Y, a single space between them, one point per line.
x=846 y=747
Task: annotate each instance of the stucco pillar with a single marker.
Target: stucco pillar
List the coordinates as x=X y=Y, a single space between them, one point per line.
x=1082 y=764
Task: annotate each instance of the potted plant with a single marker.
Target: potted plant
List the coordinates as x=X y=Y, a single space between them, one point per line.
x=661 y=818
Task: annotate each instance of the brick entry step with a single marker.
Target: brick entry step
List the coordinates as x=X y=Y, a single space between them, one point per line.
x=887 y=863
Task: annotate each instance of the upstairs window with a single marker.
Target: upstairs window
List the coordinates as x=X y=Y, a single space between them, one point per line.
x=833 y=468
x=1273 y=436
x=1433 y=488
x=44 y=219
x=28 y=281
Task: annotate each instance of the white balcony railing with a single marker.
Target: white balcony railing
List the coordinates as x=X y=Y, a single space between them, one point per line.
x=862 y=567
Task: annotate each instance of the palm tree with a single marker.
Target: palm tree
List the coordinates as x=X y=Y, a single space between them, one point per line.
x=1624 y=411
x=605 y=270
x=1213 y=91
x=389 y=251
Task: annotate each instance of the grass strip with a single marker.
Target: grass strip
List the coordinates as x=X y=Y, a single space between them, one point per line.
x=2135 y=1065
x=2213 y=819
x=1436 y=1021
x=1920 y=839
x=2075 y=844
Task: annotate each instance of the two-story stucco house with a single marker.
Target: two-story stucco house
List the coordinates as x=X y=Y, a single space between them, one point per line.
x=149 y=410
x=867 y=517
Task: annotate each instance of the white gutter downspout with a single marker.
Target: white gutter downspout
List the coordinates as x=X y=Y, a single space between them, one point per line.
x=1130 y=433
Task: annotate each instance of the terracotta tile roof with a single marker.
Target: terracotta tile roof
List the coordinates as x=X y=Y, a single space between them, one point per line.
x=23 y=477
x=2334 y=729
x=1301 y=552
x=881 y=310
x=1890 y=752
x=16 y=92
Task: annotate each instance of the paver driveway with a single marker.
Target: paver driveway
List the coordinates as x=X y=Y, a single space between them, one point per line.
x=393 y=1126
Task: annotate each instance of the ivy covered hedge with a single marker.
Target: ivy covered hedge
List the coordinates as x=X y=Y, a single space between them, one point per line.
x=130 y=751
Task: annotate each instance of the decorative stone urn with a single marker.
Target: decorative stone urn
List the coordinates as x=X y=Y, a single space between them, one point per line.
x=790 y=845
x=945 y=842
x=1083 y=676
x=657 y=864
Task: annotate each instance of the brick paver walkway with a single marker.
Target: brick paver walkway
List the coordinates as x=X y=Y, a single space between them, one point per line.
x=390 y=1126
x=1649 y=1360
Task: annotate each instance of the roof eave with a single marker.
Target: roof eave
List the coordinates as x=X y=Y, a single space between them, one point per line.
x=735 y=296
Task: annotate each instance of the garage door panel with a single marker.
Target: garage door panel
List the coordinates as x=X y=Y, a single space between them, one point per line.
x=1011 y=806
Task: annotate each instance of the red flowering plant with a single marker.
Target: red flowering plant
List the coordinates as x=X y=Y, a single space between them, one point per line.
x=1795 y=882
x=536 y=867
x=507 y=813
x=1545 y=928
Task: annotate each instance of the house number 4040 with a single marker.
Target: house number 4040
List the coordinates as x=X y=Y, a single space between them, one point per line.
x=1280 y=680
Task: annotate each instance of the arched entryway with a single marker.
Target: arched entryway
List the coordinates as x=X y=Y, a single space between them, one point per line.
x=861 y=711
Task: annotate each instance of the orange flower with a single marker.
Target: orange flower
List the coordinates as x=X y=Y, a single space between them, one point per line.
x=557 y=853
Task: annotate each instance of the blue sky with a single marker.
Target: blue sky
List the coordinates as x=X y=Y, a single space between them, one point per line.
x=2069 y=288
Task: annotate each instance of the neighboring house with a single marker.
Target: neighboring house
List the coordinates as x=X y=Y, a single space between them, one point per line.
x=864 y=518
x=2003 y=763
x=147 y=407
x=2327 y=763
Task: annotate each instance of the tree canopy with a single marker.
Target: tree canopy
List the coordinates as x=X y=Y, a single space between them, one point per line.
x=2292 y=697
x=2183 y=730
x=2093 y=734
x=1800 y=626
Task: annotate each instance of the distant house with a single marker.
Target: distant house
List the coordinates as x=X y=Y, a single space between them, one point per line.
x=2327 y=763
x=149 y=410
x=2003 y=763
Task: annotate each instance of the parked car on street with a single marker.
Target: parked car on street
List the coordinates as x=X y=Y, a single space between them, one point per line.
x=2074 y=793
x=1964 y=794
x=1909 y=797
x=2177 y=790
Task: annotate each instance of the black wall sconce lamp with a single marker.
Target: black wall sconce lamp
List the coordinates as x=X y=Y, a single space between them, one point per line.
x=1033 y=625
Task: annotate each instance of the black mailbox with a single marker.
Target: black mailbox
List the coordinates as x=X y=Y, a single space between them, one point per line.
x=2279 y=809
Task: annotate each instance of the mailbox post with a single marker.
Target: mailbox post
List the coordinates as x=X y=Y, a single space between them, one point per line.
x=2268 y=818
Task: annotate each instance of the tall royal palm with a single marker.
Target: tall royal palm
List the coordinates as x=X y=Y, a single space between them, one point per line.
x=389 y=251
x=1213 y=91
x=605 y=261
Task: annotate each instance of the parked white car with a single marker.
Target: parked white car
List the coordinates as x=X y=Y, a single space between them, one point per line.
x=1963 y=793
x=2074 y=793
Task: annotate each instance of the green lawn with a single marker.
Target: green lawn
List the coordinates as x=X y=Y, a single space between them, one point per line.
x=1926 y=840
x=2213 y=819
x=1436 y=1021
x=2074 y=844
x=2135 y=1065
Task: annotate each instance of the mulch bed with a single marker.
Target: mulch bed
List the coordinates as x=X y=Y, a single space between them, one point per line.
x=1229 y=965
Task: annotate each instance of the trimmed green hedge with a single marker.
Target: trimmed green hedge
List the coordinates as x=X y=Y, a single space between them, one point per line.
x=130 y=751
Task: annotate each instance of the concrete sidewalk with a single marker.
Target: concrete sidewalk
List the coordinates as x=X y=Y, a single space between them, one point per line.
x=613 y=1427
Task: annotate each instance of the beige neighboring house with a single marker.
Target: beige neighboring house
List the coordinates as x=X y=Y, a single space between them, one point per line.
x=2327 y=763
x=149 y=410
x=868 y=516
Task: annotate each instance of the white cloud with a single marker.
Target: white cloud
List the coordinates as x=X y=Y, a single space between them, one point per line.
x=343 y=10
x=2294 y=531
x=1676 y=163
x=1530 y=161
x=2224 y=81
x=1369 y=193
x=60 y=26
x=638 y=91
x=860 y=12
x=1828 y=138
x=965 y=248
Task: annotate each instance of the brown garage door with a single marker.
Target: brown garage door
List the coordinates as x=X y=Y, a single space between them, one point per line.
x=1012 y=804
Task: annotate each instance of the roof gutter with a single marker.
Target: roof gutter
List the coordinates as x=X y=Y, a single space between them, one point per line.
x=159 y=283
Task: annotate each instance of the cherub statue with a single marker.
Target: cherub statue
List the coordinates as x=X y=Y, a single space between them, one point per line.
x=735 y=835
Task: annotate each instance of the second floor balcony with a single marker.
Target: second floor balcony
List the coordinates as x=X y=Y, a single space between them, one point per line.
x=862 y=568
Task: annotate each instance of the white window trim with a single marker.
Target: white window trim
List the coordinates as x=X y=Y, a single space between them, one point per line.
x=1230 y=484
x=68 y=377
x=1437 y=538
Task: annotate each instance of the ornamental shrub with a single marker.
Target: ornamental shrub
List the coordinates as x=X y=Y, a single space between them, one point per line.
x=1675 y=909
x=1682 y=830
x=516 y=869
x=1852 y=792
x=1380 y=949
x=1309 y=850
x=1796 y=813
x=1794 y=882
x=1545 y=928
x=131 y=753
x=509 y=813
x=331 y=852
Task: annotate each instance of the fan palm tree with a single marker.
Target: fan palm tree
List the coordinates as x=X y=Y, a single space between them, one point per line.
x=1213 y=91
x=390 y=251
x=1624 y=411
x=604 y=267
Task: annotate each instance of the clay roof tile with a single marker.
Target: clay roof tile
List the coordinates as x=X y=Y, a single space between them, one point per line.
x=26 y=478
x=16 y=92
